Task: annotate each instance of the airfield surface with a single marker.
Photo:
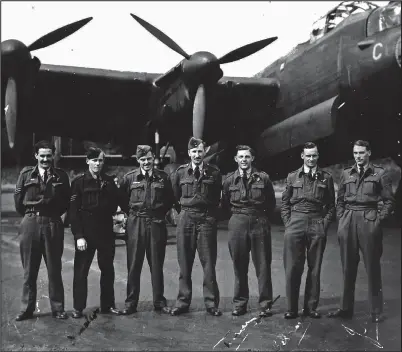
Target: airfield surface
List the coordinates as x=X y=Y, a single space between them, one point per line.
x=150 y=331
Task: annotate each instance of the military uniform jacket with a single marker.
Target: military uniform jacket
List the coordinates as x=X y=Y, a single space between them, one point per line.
x=92 y=205
x=317 y=197
x=133 y=192
x=203 y=194
x=259 y=194
x=33 y=195
x=373 y=187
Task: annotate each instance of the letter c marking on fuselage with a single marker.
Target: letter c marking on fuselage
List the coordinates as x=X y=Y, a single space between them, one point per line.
x=377 y=56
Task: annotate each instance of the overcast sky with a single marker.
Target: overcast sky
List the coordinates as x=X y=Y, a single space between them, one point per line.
x=113 y=40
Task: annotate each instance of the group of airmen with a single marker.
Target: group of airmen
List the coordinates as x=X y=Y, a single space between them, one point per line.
x=196 y=190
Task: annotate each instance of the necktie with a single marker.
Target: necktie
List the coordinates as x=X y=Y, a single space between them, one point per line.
x=244 y=178
x=147 y=190
x=45 y=176
x=361 y=171
x=197 y=172
x=310 y=175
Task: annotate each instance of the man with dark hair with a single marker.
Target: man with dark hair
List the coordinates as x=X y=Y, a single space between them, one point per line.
x=197 y=187
x=362 y=186
x=249 y=196
x=308 y=207
x=148 y=196
x=93 y=202
x=41 y=196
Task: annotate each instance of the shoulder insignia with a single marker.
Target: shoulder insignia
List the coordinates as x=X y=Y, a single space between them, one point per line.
x=347 y=168
x=27 y=168
x=326 y=172
x=378 y=167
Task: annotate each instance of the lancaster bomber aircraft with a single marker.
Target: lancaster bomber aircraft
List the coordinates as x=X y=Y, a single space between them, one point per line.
x=340 y=85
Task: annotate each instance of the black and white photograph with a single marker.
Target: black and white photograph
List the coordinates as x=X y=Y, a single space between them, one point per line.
x=200 y=176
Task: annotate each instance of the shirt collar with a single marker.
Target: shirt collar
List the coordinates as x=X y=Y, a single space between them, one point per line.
x=366 y=167
x=40 y=171
x=150 y=172
x=200 y=167
x=238 y=173
x=241 y=172
x=306 y=169
x=314 y=171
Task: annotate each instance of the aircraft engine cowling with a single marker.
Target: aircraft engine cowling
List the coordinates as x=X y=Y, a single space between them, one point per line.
x=309 y=125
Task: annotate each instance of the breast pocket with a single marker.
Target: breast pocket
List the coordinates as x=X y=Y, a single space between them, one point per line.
x=234 y=192
x=370 y=186
x=32 y=190
x=137 y=192
x=257 y=191
x=186 y=187
x=90 y=198
x=351 y=188
x=157 y=190
x=56 y=188
x=297 y=189
x=207 y=187
x=320 y=190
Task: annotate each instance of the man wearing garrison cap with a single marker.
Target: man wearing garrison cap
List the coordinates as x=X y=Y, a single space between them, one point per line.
x=148 y=196
x=197 y=187
x=93 y=202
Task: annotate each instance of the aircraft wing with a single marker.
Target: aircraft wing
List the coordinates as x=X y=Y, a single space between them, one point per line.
x=90 y=104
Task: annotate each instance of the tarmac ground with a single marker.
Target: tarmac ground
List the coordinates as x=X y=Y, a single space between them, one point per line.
x=196 y=330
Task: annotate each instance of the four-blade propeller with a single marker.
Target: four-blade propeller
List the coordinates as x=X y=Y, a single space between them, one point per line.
x=200 y=61
x=13 y=50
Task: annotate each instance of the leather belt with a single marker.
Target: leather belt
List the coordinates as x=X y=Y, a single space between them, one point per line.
x=248 y=211
x=360 y=207
x=207 y=211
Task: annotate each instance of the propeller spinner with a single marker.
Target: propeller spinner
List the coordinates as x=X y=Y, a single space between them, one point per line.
x=203 y=67
x=16 y=61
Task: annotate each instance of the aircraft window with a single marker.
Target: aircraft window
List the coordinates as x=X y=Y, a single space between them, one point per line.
x=384 y=18
x=318 y=29
x=337 y=15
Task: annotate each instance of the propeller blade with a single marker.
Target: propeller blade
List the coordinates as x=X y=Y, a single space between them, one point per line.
x=246 y=50
x=199 y=109
x=161 y=36
x=58 y=34
x=11 y=110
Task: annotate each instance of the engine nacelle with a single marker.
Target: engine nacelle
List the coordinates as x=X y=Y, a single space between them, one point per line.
x=309 y=125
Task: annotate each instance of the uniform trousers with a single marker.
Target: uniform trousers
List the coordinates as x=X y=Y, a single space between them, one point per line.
x=360 y=230
x=105 y=248
x=251 y=233
x=305 y=235
x=145 y=236
x=197 y=231
x=41 y=236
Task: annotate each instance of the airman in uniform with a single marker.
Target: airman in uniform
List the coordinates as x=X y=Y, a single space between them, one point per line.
x=197 y=187
x=41 y=196
x=93 y=202
x=249 y=197
x=362 y=186
x=148 y=197
x=308 y=207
